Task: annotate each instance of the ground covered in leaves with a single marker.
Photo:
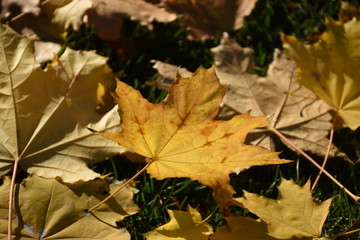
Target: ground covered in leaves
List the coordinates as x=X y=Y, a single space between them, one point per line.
x=290 y=61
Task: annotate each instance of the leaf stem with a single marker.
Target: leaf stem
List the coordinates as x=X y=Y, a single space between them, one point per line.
x=285 y=139
x=331 y=137
x=11 y=198
x=346 y=233
x=210 y=215
x=121 y=187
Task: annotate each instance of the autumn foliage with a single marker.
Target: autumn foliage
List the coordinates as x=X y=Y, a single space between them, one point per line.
x=60 y=117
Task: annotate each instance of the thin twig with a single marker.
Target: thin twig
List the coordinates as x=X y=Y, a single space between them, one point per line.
x=121 y=187
x=11 y=198
x=285 y=139
x=331 y=137
x=346 y=233
x=211 y=214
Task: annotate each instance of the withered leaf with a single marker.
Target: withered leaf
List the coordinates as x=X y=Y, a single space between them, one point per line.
x=44 y=114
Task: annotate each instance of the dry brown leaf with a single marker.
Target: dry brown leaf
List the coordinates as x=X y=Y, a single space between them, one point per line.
x=107 y=15
x=38 y=25
x=207 y=17
x=50 y=209
x=12 y=8
x=349 y=10
x=181 y=136
x=45 y=113
x=295 y=111
x=270 y=93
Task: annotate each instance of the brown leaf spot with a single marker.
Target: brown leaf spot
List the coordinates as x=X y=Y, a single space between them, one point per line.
x=227 y=135
x=207 y=130
x=224 y=159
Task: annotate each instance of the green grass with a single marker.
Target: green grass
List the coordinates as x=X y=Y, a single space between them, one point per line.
x=130 y=59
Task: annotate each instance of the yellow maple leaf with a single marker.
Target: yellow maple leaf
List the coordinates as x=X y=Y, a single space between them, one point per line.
x=183 y=225
x=50 y=209
x=329 y=68
x=293 y=214
x=44 y=113
x=180 y=135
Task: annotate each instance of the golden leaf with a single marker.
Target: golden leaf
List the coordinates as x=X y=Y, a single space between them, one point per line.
x=181 y=136
x=293 y=214
x=183 y=225
x=50 y=209
x=329 y=68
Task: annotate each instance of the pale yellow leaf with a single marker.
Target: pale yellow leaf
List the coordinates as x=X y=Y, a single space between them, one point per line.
x=44 y=114
x=293 y=214
x=329 y=67
x=183 y=225
x=50 y=209
x=72 y=14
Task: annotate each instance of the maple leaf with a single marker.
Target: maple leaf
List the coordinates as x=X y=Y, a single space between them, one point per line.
x=50 y=209
x=180 y=135
x=107 y=15
x=293 y=214
x=205 y=18
x=183 y=225
x=44 y=115
x=242 y=228
x=294 y=111
x=302 y=117
x=329 y=68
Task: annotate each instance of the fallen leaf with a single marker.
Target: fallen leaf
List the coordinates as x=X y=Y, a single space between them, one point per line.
x=304 y=119
x=183 y=225
x=293 y=214
x=167 y=74
x=329 y=68
x=50 y=209
x=181 y=136
x=294 y=111
x=45 y=51
x=45 y=113
x=205 y=18
x=107 y=15
x=242 y=228
x=38 y=24
x=12 y=8
x=72 y=14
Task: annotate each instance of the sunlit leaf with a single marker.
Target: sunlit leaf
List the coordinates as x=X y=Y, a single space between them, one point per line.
x=50 y=209
x=44 y=114
x=329 y=67
x=293 y=214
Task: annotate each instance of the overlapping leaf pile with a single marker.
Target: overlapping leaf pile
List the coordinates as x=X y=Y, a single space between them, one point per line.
x=46 y=116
